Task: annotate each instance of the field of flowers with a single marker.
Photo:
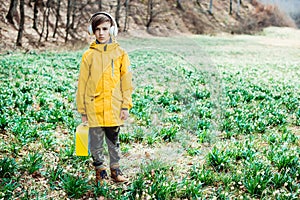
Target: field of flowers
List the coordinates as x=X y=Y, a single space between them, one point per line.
x=213 y=118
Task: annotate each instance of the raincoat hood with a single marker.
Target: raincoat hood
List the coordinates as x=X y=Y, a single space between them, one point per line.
x=104 y=47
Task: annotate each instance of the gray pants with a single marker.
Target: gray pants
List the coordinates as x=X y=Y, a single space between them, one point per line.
x=96 y=138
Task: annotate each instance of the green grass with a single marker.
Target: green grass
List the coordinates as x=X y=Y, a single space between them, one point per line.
x=219 y=117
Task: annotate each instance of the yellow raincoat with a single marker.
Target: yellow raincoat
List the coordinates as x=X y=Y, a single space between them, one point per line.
x=104 y=84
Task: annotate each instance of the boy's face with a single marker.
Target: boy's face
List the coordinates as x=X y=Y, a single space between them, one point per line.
x=102 y=32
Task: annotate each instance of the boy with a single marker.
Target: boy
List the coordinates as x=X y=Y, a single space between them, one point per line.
x=104 y=93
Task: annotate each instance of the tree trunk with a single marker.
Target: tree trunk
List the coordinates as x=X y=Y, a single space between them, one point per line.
x=43 y=25
x=230 y=7
x=126 y=15
x=57 y=18
x=68 y=20
x=100 y=5
x=37 y=4
x=21 y=26
x=238 y=7
x=150 y=14
x=117 y=17
x=11 y=11
x=210 y=7
x=179 y=5
x=35 y=14
x=74 y=7
x=47 y=19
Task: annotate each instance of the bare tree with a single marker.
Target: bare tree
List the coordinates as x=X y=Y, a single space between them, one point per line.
x=48 y=6
x=154 y=9
x=57 y=16
x=238 y=7
x=126 y=15
x=35 y=14
x=210 y=7
x=74 y=8
x=68 y=19
x=12 y=8
x=230 y=7
x=117 y=16
x=100 y=5
x=81 y=13
x=179 y=5
x=44 y=21
x=37 y=4
x=150 y=13
x=21 y=25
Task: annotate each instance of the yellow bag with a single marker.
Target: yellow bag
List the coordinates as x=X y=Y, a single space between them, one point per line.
x=82 y=140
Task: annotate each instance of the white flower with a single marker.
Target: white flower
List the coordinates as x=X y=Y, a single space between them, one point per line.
x=288 y=169
x=275 y=192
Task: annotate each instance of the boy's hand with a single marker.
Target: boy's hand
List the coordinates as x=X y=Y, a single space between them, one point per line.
x=83 y=118
x=124 y=114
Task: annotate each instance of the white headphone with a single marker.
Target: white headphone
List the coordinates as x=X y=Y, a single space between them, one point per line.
x=113 y=31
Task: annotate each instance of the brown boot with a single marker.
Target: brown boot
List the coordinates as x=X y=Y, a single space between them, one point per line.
x=117 y=175
x=101 y=176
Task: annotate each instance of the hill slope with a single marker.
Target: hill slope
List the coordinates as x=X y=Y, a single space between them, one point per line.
x=191 y=17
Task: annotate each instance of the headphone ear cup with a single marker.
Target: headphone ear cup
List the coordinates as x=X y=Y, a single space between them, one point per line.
x=116 y=30
x=113 y=31
x=90 y=30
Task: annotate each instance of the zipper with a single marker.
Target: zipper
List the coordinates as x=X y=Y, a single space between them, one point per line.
x=113 y=68
x=103 y=87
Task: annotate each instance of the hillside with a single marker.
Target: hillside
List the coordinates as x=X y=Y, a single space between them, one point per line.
x=290 y=7
x=169 y=19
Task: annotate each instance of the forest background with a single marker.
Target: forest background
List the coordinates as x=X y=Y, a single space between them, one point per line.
x=52 y=23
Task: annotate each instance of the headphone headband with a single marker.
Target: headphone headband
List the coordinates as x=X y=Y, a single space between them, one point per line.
x=103 y=13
